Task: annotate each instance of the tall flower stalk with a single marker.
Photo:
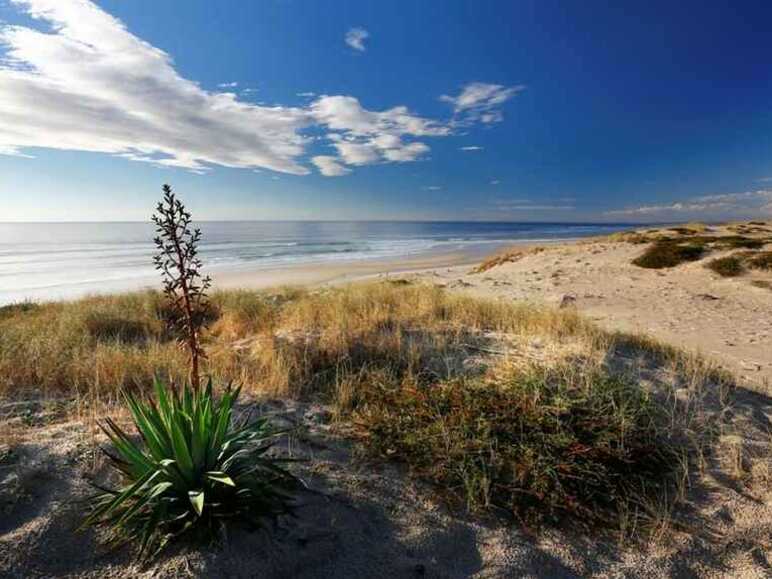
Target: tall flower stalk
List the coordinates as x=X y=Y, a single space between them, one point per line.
x=177 y=260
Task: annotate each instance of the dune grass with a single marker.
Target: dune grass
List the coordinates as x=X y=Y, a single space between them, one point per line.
x=568 y=443
x=674 y=251
x=761 y=260
x=509 y=256
x=449 y=385
x=293 y=340
x=729 y=266
x=665 y=254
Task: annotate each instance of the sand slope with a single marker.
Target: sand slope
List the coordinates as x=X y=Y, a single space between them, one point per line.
x=689 y=306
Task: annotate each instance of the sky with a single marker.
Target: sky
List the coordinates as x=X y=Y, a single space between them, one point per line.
x=435 y=110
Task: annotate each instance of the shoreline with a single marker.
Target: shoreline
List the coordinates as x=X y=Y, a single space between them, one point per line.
x=301 y=274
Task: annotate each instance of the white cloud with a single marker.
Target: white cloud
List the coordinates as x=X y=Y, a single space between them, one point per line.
x=90 y=85
x=87 y=84
x=495 y=181
x=765 y=180
x=356 y=37
x=479 y=101
x=748 y=203
x=306 y=94
x=431 y=188
x=471 y=148
x=329 y=166
x=363 y=137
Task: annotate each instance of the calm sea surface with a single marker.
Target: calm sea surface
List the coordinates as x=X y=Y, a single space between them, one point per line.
x=42 y=261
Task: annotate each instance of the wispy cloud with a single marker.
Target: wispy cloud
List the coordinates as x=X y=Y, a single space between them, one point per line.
x=306 y=94
x=88 y=84
x=495 y=182
x=432 y=188
x=356 y=37
x=747 y=203
x=765 y=180
x=479 y=101
x=517 y=208
x=471 y=148
x=330 y=166
x=233 y=84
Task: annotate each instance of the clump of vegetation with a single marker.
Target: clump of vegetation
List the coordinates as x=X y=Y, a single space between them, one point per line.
x=664 y=254
x=585 y=444
x=505 y=257
x=762 y=283
x=178 y=261
x=193 y=471
x=674 y=251
x=761 y=260
x=729 y=266
x=17 y=308
x=736 y=242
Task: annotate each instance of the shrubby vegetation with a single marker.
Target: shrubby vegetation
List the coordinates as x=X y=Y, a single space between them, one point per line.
x=193 y=471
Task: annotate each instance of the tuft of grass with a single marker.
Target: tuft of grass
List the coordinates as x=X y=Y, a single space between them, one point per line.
x=665 y=254
x=511 y=256
x=17 y=309
x=737 y=242
x=550 y=443
x=191 y=472
x=761 y=260
x=762 y=283
x=729 y=266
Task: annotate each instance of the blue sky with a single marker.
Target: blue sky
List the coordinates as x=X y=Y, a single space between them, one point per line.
x=289 y=109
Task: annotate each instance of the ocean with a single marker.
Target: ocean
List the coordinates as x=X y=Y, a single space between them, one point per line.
x=44 y=261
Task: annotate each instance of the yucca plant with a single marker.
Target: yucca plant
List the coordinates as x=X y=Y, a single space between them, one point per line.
x=192 y=470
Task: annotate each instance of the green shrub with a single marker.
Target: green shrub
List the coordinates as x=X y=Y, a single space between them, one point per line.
x=739 y=242
x=664 y=254
x=730 y=266
x=191 y=472
x=586 y=446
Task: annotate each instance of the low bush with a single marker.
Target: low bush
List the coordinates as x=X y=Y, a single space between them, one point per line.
x=730 y=266
x=664 y=254
x=587 y=445
x=761 y=260
x=192 y=471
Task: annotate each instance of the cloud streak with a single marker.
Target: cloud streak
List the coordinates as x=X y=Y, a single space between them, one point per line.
x=83 y=82
x=356 y=37
x=480 y=102
x=748 y=203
